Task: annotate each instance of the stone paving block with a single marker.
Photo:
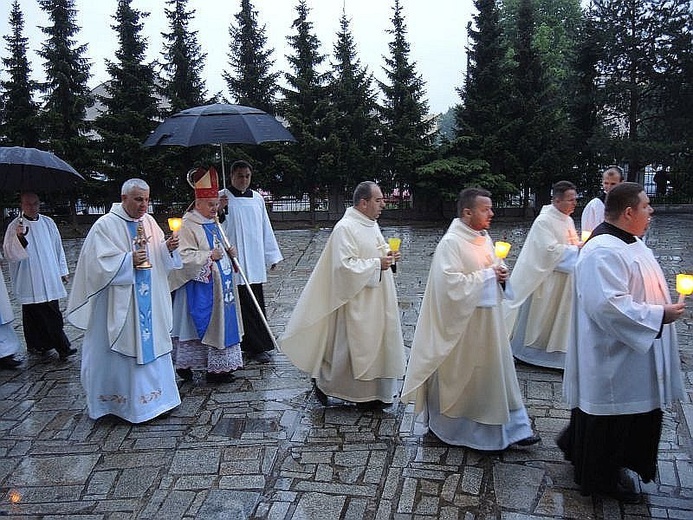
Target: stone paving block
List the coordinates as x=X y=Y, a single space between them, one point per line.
x=101 y=482
x=63 y=470
x=195 y=461
x=134 y=482
x=516 y=486
x=356 y=509
x=195 y=482
x=227 y=505
x=407 y=497
x=314 y=506
x=175 y=505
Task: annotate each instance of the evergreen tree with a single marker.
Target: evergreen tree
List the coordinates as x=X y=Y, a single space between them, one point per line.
x=408 y=132
x=638 y=37
x=183 y=59
x=251 y=81
x=304 y=107
x=131 y=105
x=19 y=110
x=482 y=118
x=352 y=125
x=537 y=119
x=182 y=85
x=65 y=91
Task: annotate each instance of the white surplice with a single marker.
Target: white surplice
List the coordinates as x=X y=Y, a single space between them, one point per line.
x=248 y=227
x=9 y=341
x=345 y=329
x=36 y=270
x=103 y=303
x=461 y=373
x=618 y=363
x=538 y=317
x=592 y=215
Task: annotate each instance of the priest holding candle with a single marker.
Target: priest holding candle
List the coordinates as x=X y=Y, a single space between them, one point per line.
x=345 y=330
x=622 y=367
x=120 y=298
x=540 y=313
x=461 y=372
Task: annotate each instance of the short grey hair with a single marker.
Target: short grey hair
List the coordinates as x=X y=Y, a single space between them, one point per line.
x=364 y=191
x=132 y=184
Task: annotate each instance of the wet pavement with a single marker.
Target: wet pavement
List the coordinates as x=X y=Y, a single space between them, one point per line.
x=263 y=447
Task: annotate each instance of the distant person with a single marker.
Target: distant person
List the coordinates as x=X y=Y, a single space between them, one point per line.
x=540 y=313
x=623 y=366
x=9 y=342
x=661 y=180
x=34 y=250
x=120 y=298
x=461 y=372
x=248 y=227
x=345 y=330
x=207 y=327
x=593 y=214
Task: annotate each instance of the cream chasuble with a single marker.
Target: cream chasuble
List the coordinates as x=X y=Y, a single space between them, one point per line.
x=461 y=337
x=348 y=277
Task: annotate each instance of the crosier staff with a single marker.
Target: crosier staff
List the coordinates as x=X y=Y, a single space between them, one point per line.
x=237 y=267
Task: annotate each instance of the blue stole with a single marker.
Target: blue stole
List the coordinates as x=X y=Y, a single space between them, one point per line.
x=201 y=295
x=143 y=297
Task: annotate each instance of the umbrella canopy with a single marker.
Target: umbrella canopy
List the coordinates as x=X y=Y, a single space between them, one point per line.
x=218 y=124
x=24 y=169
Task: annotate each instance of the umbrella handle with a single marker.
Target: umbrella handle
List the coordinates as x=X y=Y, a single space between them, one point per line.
x=237 y=266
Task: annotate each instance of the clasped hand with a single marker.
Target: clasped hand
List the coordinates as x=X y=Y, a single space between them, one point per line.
x=502 y=273
x=218 y=252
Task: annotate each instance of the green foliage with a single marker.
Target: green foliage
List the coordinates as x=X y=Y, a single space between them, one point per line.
x=131 y=107
x=18 y=110
x=250 y=81
x=65 y=91
x=408 y=133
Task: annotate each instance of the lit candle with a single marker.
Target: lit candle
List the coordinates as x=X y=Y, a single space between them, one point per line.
x=585 y=235
x=394 y=244
x=684 y=285
x=502 y=249
x=174 y=224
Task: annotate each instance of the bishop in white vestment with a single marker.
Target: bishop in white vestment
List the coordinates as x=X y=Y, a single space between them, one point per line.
x=461 y=372
x=345 y=330
x=125 y=312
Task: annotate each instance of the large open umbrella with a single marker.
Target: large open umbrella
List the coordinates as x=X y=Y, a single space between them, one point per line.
x=219 y=123
x=23 y=169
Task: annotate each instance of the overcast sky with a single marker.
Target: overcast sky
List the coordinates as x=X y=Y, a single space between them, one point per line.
x=436 y=31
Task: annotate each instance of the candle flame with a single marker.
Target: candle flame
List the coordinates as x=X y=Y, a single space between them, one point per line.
x=684 y=284
x=174 y=223
x=585 y=235
x=14 y=496
x=502 y=249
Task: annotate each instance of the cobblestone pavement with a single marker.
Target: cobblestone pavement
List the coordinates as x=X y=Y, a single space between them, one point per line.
x=263 y=447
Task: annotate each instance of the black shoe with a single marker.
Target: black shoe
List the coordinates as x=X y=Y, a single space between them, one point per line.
x=529 y=441
x=186 y=374
x=322 y=396
x=377 y=404
x=9 y=362
x=221 y=377
x=66 y=353
x=262 y=357
x=620 y=493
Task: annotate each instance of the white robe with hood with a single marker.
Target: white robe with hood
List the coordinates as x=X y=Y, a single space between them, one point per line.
x=345 y=329
x=461 y=372
x=103 y=303
x=539 y=315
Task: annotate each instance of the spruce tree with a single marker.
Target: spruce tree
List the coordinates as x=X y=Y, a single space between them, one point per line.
x=408 y=133
x=183 y=59
x=482 y=117
x=65 y=91
x=131 y=105
x=304 y=106
x=19 y=110
x=250 y=80
x=352 y=126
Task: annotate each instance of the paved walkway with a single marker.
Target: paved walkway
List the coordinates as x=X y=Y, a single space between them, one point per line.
x=263 y=447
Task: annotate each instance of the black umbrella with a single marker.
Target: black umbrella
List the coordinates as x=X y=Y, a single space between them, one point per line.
x=23 y=169
x=219 y=123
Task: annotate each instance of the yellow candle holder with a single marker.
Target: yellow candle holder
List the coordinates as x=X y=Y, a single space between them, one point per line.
x=174 y=224
x=394 y=243
x=684 y=285
x=502 y=249
x=585 y=235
